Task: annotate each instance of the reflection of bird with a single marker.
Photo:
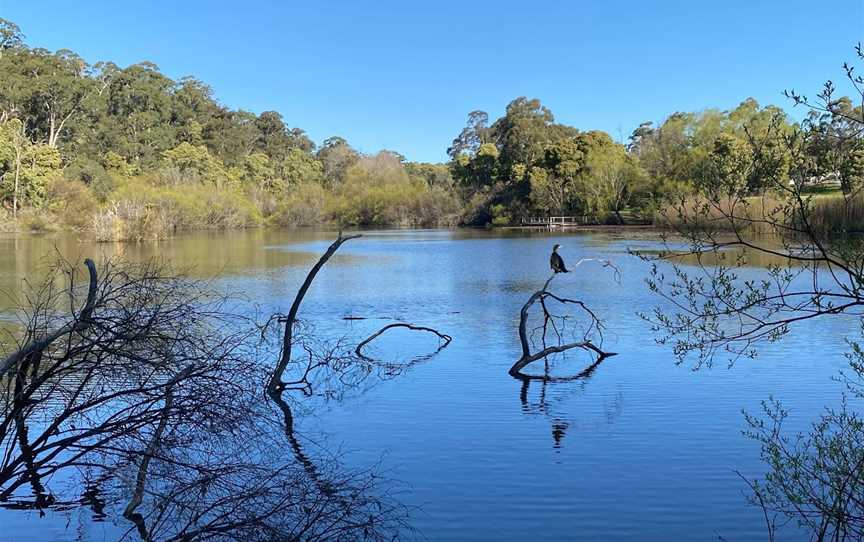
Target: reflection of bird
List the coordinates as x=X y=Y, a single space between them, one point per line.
x=556 y=261
x=559 y=429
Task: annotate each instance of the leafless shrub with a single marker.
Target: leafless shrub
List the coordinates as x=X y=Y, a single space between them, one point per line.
x=152 y=387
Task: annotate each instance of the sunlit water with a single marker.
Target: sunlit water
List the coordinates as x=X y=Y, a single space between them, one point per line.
x=642 y=450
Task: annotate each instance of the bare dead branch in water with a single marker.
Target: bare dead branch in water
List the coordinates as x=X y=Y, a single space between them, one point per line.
x=77 y=324
x=549 y=319
x=276 y=385
x=314 y=367
x=313 y=363
x=359 y=349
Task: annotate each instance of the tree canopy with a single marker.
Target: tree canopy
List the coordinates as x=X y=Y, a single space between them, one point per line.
x=104 y=126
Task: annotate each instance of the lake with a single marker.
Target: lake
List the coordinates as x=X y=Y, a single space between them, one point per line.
x=642 y=449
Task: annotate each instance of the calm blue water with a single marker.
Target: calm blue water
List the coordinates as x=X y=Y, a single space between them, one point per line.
x=642 y=450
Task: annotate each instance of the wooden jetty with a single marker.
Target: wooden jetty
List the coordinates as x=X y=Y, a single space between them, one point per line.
x=556 y=222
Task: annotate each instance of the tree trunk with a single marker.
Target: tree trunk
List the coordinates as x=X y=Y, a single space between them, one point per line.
x=17 y=180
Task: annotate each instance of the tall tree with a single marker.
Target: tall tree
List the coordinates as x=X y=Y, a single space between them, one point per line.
x=521 y=135
x=10 y=35
x=336 y=156
x=475 y=134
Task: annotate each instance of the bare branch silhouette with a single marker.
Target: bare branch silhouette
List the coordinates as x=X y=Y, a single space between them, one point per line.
x=556 y=322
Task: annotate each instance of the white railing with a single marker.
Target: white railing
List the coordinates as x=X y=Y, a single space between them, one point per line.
x=555 y=221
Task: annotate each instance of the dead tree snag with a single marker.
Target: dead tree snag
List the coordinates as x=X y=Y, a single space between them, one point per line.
x=555 y=322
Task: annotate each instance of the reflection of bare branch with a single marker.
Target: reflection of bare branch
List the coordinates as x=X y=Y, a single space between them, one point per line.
x=141 y=479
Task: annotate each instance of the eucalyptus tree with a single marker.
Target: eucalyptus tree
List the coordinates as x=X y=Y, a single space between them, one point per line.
x=521 y=136
x=26 y=168
x=10 y=35
x=336 y=156
x=138 y=111
x=555 y=180
x=475 y=134
x=192 y=105
x=614 y=182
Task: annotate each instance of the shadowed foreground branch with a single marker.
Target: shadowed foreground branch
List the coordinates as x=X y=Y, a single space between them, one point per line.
x=757 y=254
x=153 y=392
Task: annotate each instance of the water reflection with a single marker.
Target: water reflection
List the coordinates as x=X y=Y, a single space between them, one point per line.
x=680 y=251
x=199 y=254
x=659 y=469
x=553 y=401
x=156 y=388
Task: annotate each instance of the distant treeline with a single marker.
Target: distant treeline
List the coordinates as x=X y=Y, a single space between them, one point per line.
x=129 y=154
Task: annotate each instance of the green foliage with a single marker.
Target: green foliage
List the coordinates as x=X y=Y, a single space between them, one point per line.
x=613 y=182
x=91 y=174
x=10 y=35
x=197 y=164
x=336 y=156
x=107 y=126
x=477 y=172
x=526 y=163
x=258 y=171
x=306 y=204
x=500 y=215
x=851 y=168
x=299 y=166
x=26 y=168
x=435 y=175
x=116 y=164
x=813 y=479
x=726 y=168
x=138 y=210
x=72 y=203
x=378 y=190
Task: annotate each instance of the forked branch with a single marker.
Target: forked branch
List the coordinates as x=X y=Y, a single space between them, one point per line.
x=276 y=384
x=549 y=318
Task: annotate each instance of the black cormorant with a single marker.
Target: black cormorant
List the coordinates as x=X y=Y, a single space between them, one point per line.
x=556 y=262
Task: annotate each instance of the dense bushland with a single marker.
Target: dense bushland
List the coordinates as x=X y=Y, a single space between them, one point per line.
x=130 y=154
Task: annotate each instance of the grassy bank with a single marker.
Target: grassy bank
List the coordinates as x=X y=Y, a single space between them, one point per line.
x=829 y=212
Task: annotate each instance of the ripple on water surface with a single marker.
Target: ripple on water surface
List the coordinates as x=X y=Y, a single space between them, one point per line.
x=642 y=450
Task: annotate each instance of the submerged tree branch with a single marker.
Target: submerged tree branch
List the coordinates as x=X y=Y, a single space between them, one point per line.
x=77 y=324
x=359 y=349
x=276 y=385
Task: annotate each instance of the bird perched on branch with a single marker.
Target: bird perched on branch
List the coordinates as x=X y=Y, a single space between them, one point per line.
x=556 y=261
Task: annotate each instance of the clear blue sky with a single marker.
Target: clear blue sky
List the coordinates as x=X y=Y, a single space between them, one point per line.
x=403 y=75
